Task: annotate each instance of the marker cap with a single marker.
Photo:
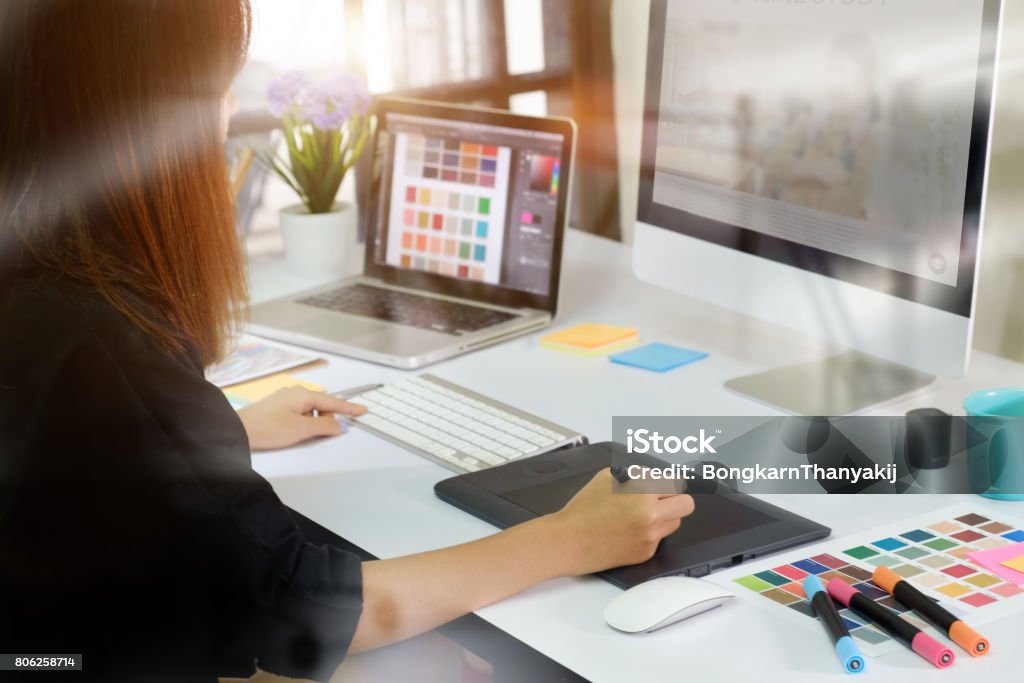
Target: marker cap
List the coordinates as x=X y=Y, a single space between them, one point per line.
x=849 y=655
x=969 y=639
x=841 y=591
x=812 y=585
x=932 y=650
x=886 y=579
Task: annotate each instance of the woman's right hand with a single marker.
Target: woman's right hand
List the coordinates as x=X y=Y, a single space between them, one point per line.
x=604 y=529
x=595 y=530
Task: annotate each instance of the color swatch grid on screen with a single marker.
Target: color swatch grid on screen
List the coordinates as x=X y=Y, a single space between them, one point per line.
x=448 y=207
x=447 y=232
x=453 y=161
x=931 y=557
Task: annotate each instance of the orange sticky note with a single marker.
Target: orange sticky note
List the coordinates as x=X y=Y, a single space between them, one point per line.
x=257 y=389
x=590 y=336
x=1016 y=563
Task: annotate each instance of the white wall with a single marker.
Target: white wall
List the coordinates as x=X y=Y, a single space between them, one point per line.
x=1000 y=322
x=629 y=48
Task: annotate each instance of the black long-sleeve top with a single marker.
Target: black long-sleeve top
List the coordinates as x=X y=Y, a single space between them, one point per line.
x=133 y=529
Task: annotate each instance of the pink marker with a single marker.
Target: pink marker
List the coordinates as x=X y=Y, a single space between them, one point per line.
x=900 y=630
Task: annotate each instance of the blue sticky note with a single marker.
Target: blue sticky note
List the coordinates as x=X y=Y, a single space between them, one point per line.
x=657 y=357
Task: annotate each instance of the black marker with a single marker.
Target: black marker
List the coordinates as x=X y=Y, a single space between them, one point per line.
x=959 y=632
x=903 y=631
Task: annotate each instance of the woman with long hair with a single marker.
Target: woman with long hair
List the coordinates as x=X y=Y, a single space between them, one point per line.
x=133 y=529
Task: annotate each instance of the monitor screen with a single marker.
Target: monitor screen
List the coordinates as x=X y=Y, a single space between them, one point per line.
x=846 y=137
x=470 y=201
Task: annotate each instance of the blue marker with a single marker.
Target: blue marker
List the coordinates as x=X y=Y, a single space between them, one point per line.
x=823 y=606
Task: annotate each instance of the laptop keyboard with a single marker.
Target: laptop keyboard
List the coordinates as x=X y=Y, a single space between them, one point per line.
x=408 y=309
x=454 y=427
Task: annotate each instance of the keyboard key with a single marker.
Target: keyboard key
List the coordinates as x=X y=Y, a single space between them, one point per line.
x=439 y=450
x=506 y=451
x=485 y=456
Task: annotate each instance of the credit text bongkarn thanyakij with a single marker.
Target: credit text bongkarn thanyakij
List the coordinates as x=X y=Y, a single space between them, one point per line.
x=649 y=442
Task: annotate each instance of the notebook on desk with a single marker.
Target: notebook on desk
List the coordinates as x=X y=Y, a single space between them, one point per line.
x=724 y=529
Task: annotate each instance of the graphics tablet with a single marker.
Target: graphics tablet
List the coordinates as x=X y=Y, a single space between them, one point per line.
x=724 y=529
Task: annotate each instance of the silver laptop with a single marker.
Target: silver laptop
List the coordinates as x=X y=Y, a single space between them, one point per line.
x=465 y=222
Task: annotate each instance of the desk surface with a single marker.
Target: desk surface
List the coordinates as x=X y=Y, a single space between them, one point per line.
x=380 y=497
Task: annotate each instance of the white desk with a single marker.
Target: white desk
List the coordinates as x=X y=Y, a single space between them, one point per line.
x=381 y=498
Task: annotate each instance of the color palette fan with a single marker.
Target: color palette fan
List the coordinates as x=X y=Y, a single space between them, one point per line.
x=929 y=552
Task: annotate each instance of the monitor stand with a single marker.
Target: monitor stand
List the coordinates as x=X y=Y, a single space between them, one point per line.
x=845 y=384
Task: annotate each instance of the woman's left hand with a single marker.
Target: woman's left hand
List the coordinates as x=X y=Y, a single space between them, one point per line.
x=286 y=418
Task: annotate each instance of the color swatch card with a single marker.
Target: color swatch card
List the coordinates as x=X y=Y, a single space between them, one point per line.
x=241 y=395
x=930 y=552
x=254 y=359
x=448 y=207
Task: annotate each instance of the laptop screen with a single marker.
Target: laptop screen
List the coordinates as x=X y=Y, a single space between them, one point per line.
x=470 y=201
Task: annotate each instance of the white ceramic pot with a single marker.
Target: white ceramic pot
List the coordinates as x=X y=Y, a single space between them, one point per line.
x=318 y=244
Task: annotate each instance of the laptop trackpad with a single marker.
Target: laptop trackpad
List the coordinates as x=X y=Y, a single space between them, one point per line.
x=342 y=328
x=402 y=340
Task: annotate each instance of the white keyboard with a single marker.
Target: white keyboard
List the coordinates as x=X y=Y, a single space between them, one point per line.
x=457 y=428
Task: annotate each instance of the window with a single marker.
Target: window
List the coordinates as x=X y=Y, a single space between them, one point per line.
x=303 y=35
x=501 y=53
x=531 y=56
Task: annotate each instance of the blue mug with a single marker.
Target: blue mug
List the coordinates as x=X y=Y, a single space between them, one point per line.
x=995 y=454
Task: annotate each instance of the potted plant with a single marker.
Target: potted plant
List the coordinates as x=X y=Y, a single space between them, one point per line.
x=326 y=124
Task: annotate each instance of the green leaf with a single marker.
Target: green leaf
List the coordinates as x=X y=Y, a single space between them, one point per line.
x=317 y=161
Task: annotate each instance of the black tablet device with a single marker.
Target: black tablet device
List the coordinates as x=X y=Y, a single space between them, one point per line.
x=724 y=529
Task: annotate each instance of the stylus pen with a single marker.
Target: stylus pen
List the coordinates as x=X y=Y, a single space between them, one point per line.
x=959 y=632
x=619 y=472
x=826 y=610
x=903 y=631
x=354 y=391
x=348 y=393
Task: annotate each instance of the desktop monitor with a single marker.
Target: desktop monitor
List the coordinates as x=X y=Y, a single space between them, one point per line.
x=822 y=165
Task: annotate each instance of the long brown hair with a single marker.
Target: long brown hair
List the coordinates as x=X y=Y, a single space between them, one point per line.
x=111 y=160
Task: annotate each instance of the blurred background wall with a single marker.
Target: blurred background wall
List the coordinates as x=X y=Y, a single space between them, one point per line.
x=586 y=59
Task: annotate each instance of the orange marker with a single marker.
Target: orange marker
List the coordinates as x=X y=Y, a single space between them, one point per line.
x=959 y=632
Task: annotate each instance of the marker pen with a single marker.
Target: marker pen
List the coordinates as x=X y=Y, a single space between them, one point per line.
x=823 y=606
x=905 y=632
x=959 y=632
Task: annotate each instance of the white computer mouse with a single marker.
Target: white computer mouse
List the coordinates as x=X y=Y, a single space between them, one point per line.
x=659 y=602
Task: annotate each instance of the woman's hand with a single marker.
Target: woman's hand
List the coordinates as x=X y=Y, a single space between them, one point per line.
x=595 y=530
x=286 y=418
x=603 y=529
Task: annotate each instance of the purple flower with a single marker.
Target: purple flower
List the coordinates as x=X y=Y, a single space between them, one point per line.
x=327 y=104
x=330 y=103
x=285 y=92
x=320 y=109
